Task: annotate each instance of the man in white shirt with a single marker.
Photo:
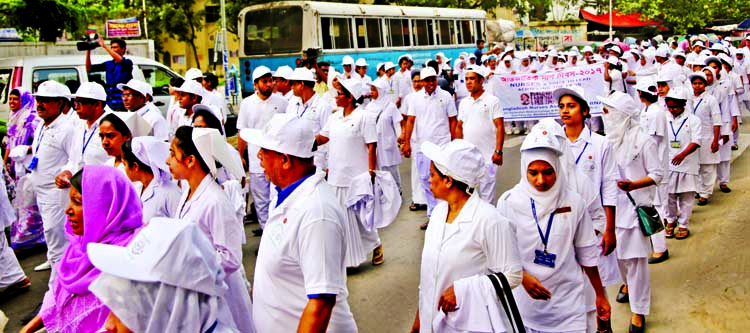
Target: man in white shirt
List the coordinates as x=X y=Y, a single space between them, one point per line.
x=480 y=122
x=189 y=95
x=52 y=147
x=135 y=96
x=87 y=146
x=255 y=112
x=403 y=77
x=311 y=107
x=282 y=86
x=392 y=94
x=300 y=275
x=431 y=116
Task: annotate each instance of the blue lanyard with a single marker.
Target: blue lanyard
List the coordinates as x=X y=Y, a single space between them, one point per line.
x=39 y=142
x=645 y=111
x=85 y=141
x=678 y=129
x=299 y=115
x=582 y=151
x=695 y=109
x=545 y=236
x=212 y=328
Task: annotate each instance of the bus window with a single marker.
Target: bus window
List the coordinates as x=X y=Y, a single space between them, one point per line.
x=466 y=36
x=336 y=33
x=374 y=36
x=447 y=32
x=399 y=32
x=359 y=26
x=478 y=32
x=273 y=31
x=424 y=32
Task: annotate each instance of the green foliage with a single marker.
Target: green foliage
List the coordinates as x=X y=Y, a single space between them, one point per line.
x=175 y=19
x=47 y=19
x=688 y=16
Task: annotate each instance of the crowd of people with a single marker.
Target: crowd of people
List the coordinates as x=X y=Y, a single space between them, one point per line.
x=143 y=215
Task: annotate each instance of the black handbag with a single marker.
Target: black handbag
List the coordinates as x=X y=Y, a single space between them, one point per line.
x=648 y=218
x=505 y=294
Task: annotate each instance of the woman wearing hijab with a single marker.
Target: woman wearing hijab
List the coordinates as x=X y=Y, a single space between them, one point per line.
x=27 y=230
x=388 y=122
x=352 y=136
x=193 y=155
x=556 y=242
x=149 y=288
x=466 y=240
x=639 y=174
x=104 y=208
x=144 y=159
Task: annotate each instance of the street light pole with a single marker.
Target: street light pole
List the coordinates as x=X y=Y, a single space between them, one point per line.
x=145 y=19
x=224 y=52
x=610 y=20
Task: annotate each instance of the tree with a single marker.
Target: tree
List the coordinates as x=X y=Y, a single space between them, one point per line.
x=178 y=20
x=46 y=19
x=688 y=16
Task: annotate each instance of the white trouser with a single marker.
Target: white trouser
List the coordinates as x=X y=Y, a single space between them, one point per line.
x=52 y=204
x=417 y=192
x=393 y=170
x=722 y=171
x=423 y=166
x=659 y=242
x=707 y=177
x=681 y=207
x=487 y=184
x=261 y=192
x=10 y=269
x=636 y=275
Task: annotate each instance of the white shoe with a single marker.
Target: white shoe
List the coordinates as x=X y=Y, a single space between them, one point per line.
x=45 y=266
x=516 y=131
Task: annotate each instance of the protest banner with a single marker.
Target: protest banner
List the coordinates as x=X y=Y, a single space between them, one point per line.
x=529 y=96
x=128 y=27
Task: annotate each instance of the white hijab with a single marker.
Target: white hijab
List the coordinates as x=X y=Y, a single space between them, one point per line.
x=523 y=193
x=623 y=127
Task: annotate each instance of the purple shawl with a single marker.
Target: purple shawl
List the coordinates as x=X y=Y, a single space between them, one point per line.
x=22 y=123
x=112 y=214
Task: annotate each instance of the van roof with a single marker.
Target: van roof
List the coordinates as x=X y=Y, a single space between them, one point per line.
x=62 y=60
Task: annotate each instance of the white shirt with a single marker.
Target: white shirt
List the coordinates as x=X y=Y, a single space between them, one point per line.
x=392 y=93
x=87 y=147
x=316 y=110
x=685 y=129
x=477 y=117
x=432 y=113
x=403 y=80
x=594 y=159
x=642 y=166
x=160 y=200
x=478 y=242
x=347 y=148
x=573 y=240
x=53 y=147
x=151 y=114
x=388 y=125
x=653 y=121
x=706 y=108
x=302 y=253
x=256 y=113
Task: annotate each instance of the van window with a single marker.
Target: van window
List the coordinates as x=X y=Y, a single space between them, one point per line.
x=66 y=76
x=158 y=78
x=5 y=84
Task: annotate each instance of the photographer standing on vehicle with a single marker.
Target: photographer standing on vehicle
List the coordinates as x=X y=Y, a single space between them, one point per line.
x=117 y=70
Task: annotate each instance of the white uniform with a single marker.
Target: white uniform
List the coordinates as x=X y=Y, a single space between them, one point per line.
x=654 y=122
x=176 y=117
x=316 y=110
x=10 y=270
x=431 y=124
x=348 y=158
x=54 y=146
x=418 y=191
x=151 y=114
x=388 y=124
x=160 y=199
x=392 y=93
x=683 y=179
x=706 y=108
x=211 y=209
x=477 y=117
x=478 y=242
x=256 y=113
x=87 y=147
x=302 y=254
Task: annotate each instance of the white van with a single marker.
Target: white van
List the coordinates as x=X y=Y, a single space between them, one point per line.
x=29 y=72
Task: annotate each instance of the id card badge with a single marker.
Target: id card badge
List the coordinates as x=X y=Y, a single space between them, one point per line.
x=675 y=144
x=545 y=259
x=34 y=162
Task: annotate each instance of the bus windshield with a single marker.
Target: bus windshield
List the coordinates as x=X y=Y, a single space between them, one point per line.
x=273 y=31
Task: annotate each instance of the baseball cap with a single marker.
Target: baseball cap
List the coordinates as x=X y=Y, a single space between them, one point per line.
x=193 y=74
x=647 y=86
x=388 y=65
x=302 y=74
x=52 y=88
x=285 y=134
x=361 y=62
x=459 y=159
x=140 y=86
x=697 y=75
x=191 y=87
x=347 y=60
x=353 y=86
x=616 y=49
x=91 y=90
x=260 y=71
x=677 y=93
x=284 y=72
x=576 y=91
x=170 y=251
x=427 y=72
x=479 y=70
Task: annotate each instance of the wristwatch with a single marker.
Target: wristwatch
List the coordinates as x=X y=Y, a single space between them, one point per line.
x=499 y=152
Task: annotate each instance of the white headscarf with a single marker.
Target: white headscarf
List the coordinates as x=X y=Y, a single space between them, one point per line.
x=623 y=127
x=545 y=202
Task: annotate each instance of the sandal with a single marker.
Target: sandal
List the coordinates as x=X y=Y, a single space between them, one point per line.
x=622 y=296
x=415 y=207
x=669 y=229
x=682 y=233
x=603 y=326
x=16 y=288
x=377 y=255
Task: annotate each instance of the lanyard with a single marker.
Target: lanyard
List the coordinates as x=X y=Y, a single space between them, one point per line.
x=212 y=328
x=695 y=109
x=645 y=111
x=545 y=236
x=85 y=141
x=678 y=129
x=583 y=150
x=39 y=142
x=299 y=115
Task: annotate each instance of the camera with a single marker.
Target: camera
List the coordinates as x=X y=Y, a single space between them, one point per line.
x=309 y=57
x=89 y=42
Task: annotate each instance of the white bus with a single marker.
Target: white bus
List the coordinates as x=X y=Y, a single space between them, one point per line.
x=275 y=34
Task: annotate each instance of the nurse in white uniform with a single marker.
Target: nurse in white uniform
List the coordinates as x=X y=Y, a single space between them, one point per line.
x=639 y=174
x=192 y=156
x=706 y=108
x=145 y=161
x=300 y=274
x=466 y=240
x=352 y=137
x=388 y=122
x=117 y=128
x=556 y=242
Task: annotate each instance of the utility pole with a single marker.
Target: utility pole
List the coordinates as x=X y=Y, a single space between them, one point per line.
x=610 y=20
x=225 y=52
x=145 y=19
